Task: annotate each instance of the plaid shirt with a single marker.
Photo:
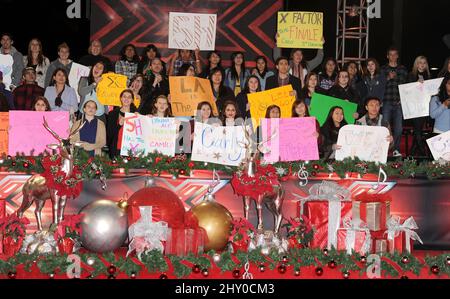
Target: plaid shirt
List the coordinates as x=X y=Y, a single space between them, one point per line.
x=127 y=68
x=25 y=94
x=178 y=63
x=392 y=93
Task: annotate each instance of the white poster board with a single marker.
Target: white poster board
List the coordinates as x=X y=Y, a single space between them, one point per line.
x=143 y=134
x=218 y=144
x=440 y=146
x=76 y=72
x=368 y=143
x=191 y=31
x=415 y=97
x=6 y=67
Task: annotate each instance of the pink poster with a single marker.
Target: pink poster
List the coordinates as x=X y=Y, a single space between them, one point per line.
x=27 y=133
x=290 y=139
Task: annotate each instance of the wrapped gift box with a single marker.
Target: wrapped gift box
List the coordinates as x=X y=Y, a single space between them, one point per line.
x=355 y=236
x=182 y=241
x=373 y=209
x=401 y=236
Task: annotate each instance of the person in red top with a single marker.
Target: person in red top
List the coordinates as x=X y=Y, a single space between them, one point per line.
x=115 y=121
x=28 y=91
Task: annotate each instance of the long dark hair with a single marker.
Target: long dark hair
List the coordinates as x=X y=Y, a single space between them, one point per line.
x=168 y=112
x=201 y=104
x=222 y=116
x=144 y=57
x=295 y=104
x=247 y=89
x=444 y=71
x=443 y=95
x=91 y=72
x=222 y=88
x=43 y=99
x=329 y=123
x=302 y=63
x=234 y=74
x=324 y=67
x=132 y=106
x=184 y=69
x=366 y=72
x=305 y=89
x=40 y=57
x=124 y=57
x=263 y=74
x=208 y=65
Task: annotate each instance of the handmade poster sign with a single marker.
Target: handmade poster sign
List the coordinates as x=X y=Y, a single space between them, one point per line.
x=192 y=31
x=283 y=97
x=4 y=127
x=110 y=87
x=218 y=144
x=321 y=104
x=143 y=134
x=440 y=146
x=300 y=29
x=6 y=64
x=415 y=97
x=367 y=143
x=76 y=72
x=289 y=139
x=27 y=134
x=187 y=92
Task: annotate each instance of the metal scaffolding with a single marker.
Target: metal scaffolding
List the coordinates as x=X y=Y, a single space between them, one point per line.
x=352 y=31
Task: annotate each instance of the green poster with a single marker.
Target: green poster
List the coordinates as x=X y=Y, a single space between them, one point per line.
x=321 y=104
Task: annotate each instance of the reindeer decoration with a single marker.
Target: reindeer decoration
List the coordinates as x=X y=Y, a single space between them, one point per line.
x=36 y=190
x=273 y=200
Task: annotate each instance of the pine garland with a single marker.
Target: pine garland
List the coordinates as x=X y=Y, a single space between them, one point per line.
x=392 y=265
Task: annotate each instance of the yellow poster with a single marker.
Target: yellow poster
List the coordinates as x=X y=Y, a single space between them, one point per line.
x=283 y=97
x=300 y=29
x=110 y=87
x=187 y=92
x=4 y=127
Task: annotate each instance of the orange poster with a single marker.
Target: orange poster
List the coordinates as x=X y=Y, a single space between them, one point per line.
x=4 y=126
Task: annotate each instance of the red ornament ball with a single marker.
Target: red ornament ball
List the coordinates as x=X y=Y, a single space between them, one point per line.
x=167 y=205
x=332 y=264
x=158 y=159
x=111 y=276
x=13 y=163
x=182 y=172
x=112 y=269
x=196 y=269
x=316 y=166
x=402 y=172
x=435 y=269
x=133 y=275
x=319 y=271
x=325 y=252
x=284 y=259
x=163 y=276
x=26 y=165
x=262 y=268
x=313 y=173
x=236 y=273
x=282 y=269
x=297 y=272
x=346 y=275
x=129 y=158
x=447 y=261
x=98 y=172
x=191 y=165
x=205 y=272
x=363 y=259
x=405 y=260
x=404 y=277
x=12 y=275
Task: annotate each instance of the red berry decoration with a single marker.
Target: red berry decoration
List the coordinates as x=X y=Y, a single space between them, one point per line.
x=236 y=273
x=284 y=259
x=205 y=272
x=402 y=172
x=191 y=165
x=129 y=158
x=346 y=275
x=405 y=260
x=112 y=269
x=332 y=264
x=98 y=172
x=163 y=276
x=282 y=269
x=313 y=173
x=262 y=268
x=319 y=271
x=182 y=172
x=13 y=163
x=316 y=166
x=435 y=269
x=26 y=165
x=196 y=269
x=11 y=275
x=297 y=272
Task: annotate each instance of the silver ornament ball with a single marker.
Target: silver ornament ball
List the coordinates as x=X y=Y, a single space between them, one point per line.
x=104 y=226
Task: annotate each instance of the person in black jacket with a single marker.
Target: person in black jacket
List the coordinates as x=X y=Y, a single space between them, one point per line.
x=282 y=77
x=157 y=84
x=251 y=86
x=221 y=92
x=330 y=132
x=342 y=90
x=116 y=119
x=310 y=88
x=419 y=73
x=148 y=54
x=95 y=55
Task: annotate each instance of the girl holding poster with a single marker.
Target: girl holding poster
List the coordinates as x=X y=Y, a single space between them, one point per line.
x=221 y=92
x=420 y=72
x=230 y=114
x=343 y=90
x=330 y=132
x=311 y=87
x=115 y=121
x=300 y=109
x=440 y=108
x=93 y=132
x=161 y=107
x=251 y=86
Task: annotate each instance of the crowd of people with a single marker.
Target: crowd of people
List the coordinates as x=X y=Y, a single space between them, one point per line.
x=40 y=85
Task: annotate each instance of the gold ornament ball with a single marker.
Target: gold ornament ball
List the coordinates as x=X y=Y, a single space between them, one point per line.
x=216 y=220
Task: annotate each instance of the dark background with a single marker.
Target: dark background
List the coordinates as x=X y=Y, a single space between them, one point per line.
x=422 y=27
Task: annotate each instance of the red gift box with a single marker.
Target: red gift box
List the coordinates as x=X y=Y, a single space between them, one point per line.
x=182 y=241
x=401 y=236
x=355 y=236
x=373 y=209
x=318 y=211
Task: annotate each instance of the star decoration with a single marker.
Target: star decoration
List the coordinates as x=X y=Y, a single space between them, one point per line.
x=217 y=156
x=280 y=171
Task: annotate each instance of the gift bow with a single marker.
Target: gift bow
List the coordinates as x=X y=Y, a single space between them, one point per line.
x=146 y=235
x=334 y=194
x=352 y=226
x=394 y=228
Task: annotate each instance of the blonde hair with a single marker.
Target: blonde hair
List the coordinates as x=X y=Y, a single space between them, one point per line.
x=415 y=69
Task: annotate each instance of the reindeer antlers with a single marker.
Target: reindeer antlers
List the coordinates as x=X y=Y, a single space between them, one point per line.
x=47 y=127
x=76 y=130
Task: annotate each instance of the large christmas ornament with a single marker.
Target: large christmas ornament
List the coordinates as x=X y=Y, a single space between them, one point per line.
x=216 y=220
x=104 y=226
x=166 y=204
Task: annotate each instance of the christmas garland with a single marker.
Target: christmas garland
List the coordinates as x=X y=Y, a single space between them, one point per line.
x=180 y=165
x=110 y=265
